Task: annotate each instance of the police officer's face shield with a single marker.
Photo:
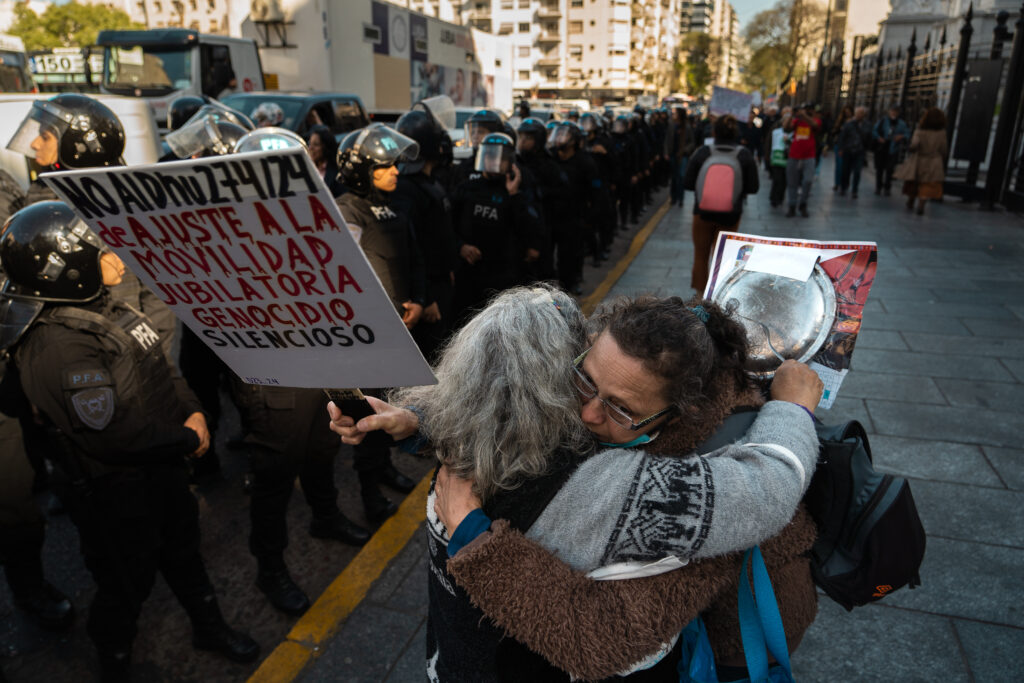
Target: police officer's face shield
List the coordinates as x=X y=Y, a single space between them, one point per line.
x=219 y=112
x=15 y=317
x=619 y=127
x=589 y=125
x=197 y=137
x=493 y=159
x=386 y=146
x=476 y=132
x=559 y=138
x=441 y=107
x=268 y=139
x=38 y=136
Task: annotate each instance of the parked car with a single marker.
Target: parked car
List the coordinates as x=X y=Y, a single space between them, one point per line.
x=341 y=112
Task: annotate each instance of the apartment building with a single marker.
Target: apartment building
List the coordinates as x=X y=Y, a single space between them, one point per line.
x=205 y=16
x=592 y=49
x=718 y=19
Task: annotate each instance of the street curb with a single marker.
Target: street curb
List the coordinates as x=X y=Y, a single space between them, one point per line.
x=590 y=303
x=303 y=643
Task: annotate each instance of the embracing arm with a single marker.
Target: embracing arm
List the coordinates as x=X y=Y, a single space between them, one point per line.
x=591 y=629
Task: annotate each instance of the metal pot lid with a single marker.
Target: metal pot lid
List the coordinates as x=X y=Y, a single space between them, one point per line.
x=784 y=318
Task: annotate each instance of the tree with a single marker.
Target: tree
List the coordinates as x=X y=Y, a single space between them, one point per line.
x=67 y=25
x=782 y=39
x=701 y=51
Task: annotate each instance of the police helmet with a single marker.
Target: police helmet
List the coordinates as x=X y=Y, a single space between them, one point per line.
x=182 y=109
x=535 y=129
x=620 y=126
x=84 y=131
x=206 y=136
x=591 y=123
x=640 y=110
x=566 y=135
x=495 y=154
x=269 y=138
x=222 y=112
x=366 y=149
x=480 y=124
x=49 y=254
x=420 y=126
x=267 y=114
x=508 y=130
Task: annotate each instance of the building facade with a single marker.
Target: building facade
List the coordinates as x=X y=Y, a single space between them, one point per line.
x=205 y=16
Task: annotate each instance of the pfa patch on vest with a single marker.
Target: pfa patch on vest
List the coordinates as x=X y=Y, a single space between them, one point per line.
x=94 y=407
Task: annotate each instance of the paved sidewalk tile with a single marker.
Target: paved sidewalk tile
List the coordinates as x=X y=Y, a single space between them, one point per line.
x=908 y=388
x=993 y=652
x=970 y=513
x=1009 y=463
x=929 y=364
x=997 y=347
x=936 y=460
x=965 y=425
x=997 y=396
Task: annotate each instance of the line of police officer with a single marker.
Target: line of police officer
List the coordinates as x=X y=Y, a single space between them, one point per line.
x=91 y=377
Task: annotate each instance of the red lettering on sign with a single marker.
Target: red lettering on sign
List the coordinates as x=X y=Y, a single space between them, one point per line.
x=321 y=215
x=267 y=220
x=345 y=279
x=291 y=217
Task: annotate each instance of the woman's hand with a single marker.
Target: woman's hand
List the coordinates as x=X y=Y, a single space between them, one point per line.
x=398 y=422
x=453 y=499
x=797 y=383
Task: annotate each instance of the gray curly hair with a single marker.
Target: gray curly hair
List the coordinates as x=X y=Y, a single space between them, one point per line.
x=505 y=399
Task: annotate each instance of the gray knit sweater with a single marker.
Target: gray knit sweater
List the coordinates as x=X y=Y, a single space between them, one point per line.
x=622 y=506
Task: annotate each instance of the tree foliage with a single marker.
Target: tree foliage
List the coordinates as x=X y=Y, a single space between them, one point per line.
x=701 y=53
x=68 y=25
x=782 y=40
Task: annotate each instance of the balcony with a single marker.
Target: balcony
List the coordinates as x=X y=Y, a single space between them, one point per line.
x=549 y=11
x=549 y=37
x=549 y=60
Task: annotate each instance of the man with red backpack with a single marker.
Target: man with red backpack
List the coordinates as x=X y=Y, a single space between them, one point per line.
x=720 y=175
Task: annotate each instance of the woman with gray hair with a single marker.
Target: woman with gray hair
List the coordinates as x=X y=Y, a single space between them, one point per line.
x=511 y=373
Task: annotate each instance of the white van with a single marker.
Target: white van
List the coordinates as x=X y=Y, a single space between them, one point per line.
x=142 y=138
x=160 y=65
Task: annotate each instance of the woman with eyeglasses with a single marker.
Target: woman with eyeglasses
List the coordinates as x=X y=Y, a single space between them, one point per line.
x=506 y=414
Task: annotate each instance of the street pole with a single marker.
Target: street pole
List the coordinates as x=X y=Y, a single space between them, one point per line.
x=953 y=109
x=996 y=177
x=857 y=50
x=911 y=52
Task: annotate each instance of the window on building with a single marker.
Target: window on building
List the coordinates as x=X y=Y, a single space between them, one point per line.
x=576 y=3
x=524 y=50
x=194 y=25
x=593 y=23
x=524 y=4
x=505 y=28
x=194 y=4
x=508 y=4
x=524 y=75
x=616 y=51
x=158 y=6
x=575 y=27
x=591 y=48
x=214 y=27
x=524 y=27
x=576 y=51
x=211 y=4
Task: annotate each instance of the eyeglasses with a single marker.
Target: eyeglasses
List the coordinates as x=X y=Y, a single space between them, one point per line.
x=616 y=414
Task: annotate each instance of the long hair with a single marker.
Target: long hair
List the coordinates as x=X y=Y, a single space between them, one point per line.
x=932 y=119
x=505 y=400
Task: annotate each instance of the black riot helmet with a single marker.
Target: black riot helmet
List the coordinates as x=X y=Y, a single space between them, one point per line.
x=182 y=109
x=366 y=149
x=508 y=130
x=49 y=254
x=421 y=127
x=620 y=126
x=534 y=128
x=441 y=109
x=495 y=154
x=591 y=123
x=480 y=124
x=566 y=135
x=206 y=136
x=87 y=133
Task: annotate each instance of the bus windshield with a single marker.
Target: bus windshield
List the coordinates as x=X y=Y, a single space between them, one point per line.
x=14 y=74
x=153 y=70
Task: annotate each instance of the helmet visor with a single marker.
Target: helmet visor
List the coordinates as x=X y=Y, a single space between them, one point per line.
x=269 y=138
x=15 y=317
x=588 y=124
x=219 y=112
x=441 y=108
x=559 y=137
x=476 y=131
x=493 y=159
x=385 y=146
x=44 y=119
x=619 y=126
x=197 y=137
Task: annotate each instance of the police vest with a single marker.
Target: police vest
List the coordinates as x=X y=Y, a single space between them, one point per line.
x=385 y=240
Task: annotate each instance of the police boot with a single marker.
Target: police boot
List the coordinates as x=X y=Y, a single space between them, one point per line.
x=391 y=477
x=211 y=632
x=284 y=594
x=116 y=667
x=51 y=609
x=20 y=548
x=376 y=504
x=340 y=528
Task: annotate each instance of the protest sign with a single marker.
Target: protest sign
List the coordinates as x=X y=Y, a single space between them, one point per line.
x=252 y=253
x=726 y=101
x=850 y=271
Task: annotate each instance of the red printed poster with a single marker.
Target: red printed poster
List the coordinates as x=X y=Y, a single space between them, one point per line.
x=252 y=253
x=834 y=277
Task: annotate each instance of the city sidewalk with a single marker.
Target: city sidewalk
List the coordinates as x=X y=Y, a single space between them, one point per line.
x=937 y=381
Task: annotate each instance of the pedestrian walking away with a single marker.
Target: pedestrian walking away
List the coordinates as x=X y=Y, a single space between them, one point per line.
x=805 y=127
x=924 y=169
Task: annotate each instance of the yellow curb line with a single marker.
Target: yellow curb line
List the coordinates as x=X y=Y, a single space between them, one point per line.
x=302 y=644
x=591 y=302
x=332 y=608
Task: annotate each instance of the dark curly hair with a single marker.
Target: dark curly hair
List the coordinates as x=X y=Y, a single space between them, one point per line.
x=672 y=341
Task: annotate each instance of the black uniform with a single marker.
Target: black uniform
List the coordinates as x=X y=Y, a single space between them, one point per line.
x=98 y=374
x=425 y=201
x=574 y=229
x=502 y=227
x=550 y=190
x=624 y=172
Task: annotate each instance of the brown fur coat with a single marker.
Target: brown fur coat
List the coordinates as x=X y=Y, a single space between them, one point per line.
x=595 y=629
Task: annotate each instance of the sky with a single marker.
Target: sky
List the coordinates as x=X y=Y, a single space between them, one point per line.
x=746 y=9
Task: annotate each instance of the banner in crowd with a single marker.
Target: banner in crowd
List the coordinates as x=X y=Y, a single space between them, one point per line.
x=252 y=254
x=725 y=101
x=847 y=268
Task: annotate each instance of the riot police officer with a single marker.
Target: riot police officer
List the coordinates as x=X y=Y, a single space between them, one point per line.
x=421 y=197
x=368 y=165
x=497 y=227
x=478 y=126
x=575 y=230
x=625 y=177
x=600 y=149
x=94 y=369
x=551 y=182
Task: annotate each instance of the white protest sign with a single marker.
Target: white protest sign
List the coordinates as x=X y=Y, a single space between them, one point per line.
x=252 y=253
x=726 y=101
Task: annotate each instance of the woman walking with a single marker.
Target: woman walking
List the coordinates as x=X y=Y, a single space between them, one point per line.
x=925 y=168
